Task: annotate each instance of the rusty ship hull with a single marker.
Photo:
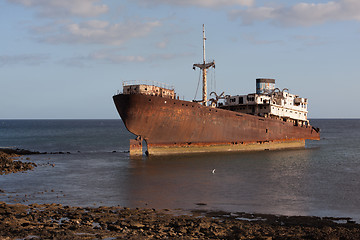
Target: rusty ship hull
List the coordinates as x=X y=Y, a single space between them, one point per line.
x=171 y=126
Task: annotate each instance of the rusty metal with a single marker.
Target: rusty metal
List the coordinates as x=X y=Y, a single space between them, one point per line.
x=166 y=123
x=135 y=148
x=166 y=149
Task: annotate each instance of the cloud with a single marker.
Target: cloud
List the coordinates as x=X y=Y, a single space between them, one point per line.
x=96 y=32
x=301 y=14
x=310 y=40
x=65 y=8
x=117 y=56
x=254 y=40
x=101 y=57
x=198 y=3
x=65 y=26
x=113 y=56
x=25 y=59
x=162 y=44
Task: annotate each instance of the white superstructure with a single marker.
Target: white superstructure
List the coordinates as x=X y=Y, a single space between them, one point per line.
x=270 y=102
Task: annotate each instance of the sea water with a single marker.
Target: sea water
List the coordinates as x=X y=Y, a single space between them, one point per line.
x=95 y=169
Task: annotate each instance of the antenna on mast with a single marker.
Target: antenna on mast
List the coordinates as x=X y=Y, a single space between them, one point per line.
x=204 y=39
x=204 y=66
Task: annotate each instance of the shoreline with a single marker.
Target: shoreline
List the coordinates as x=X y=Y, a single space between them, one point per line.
x=58 y=221
x=33 y=221
x=9 y=162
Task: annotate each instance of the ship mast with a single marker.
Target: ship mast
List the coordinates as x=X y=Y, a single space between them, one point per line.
x=204 y=66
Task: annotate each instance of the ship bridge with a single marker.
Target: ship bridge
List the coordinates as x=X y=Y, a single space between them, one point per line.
x=272 y=102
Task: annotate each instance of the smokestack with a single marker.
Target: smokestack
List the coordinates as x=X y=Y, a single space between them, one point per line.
x=265 y=85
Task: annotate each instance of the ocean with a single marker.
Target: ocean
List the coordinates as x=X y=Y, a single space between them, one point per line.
x=95 y=169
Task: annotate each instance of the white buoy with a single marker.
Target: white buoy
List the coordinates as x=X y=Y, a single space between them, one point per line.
x=213 y=171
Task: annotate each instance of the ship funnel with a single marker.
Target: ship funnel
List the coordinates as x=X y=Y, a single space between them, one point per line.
x=265 y=85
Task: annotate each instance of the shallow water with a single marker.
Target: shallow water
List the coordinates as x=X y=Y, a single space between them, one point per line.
x=320 y=180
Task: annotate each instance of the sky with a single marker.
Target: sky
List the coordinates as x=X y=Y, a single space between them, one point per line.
x=65 y=59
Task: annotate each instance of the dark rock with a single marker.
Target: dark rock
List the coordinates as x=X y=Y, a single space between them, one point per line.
x=113 y=227
x=201 y=204
x=9 y=165
x=43 y=222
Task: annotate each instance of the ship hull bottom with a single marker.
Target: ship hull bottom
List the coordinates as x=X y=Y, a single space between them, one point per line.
x=169 y=149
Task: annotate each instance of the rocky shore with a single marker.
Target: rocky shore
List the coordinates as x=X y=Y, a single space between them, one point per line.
x=54 y=221
x=9 y=165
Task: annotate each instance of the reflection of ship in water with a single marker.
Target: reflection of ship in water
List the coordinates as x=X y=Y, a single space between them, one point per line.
x=264 y=182
x=267 y=119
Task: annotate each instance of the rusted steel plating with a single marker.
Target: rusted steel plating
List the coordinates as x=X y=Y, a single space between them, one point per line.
x=169 y=122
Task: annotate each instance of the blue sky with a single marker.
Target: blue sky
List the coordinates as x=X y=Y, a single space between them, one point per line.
x=66 y=58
